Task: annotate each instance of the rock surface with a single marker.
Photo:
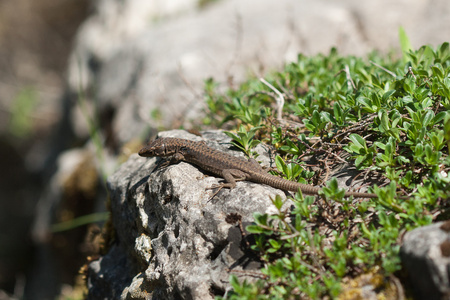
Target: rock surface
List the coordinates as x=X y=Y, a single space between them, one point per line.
x=426 y=257
x=171 y=240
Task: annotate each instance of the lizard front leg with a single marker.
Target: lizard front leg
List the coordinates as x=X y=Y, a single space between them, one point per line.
x=176 y=158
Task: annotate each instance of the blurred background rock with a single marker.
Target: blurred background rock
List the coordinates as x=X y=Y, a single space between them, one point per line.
x=35 y=41
x=83 y=82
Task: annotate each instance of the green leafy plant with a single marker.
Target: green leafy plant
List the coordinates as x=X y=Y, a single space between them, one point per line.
x=245 y=140
x=405 y=44
x=291 y=171
x=364 y=154
x=390 y=119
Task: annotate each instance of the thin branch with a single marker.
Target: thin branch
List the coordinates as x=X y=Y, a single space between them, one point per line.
x=383 y=68
x=280 y=99
x=350 y=82
x=412 y=73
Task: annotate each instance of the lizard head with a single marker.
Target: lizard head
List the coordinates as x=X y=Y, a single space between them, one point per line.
x=158 y=147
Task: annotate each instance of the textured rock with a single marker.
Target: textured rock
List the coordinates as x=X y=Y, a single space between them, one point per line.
x=425 y=255
x=171 y=240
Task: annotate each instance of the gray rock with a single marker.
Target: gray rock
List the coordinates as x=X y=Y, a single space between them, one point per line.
x=110 y=275
x=138 y=66
x=425 y=255
x=172 y=241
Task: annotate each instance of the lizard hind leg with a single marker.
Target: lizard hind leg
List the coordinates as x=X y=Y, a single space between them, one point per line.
x=230 y=176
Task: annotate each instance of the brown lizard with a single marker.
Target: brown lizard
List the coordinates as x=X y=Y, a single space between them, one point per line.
x=229 y=167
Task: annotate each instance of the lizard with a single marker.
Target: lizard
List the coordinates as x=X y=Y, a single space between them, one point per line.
x=229 y=167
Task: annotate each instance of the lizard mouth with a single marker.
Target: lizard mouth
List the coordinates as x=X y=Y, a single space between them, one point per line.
x=144 y=152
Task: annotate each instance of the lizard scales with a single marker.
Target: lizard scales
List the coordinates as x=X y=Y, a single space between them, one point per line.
x=227 y=166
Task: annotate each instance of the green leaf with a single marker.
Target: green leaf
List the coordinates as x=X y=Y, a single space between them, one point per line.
x=278 y=202
x=275 y=244
x=429 y=115
x=256 y=229
x=405 y=44
x=260 y=219
x=358 y=141
x=281 y=165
